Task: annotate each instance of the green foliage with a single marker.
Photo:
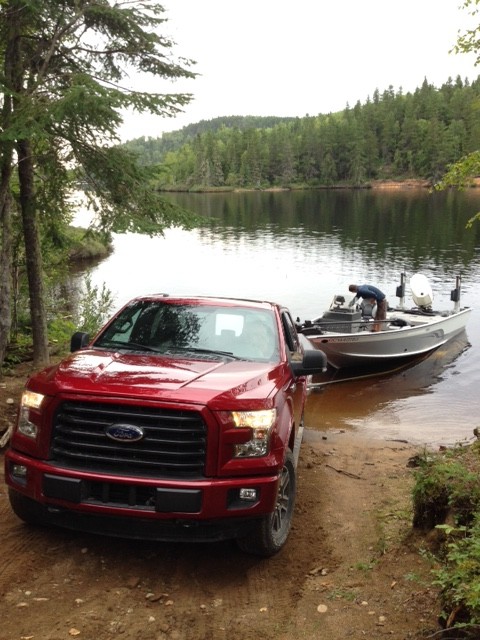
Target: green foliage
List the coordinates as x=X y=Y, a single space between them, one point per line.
x=153 y=150
x=66 y=309
x=468 y=42
x=338 y=593
x=87 y=243
x=365 y=566
x=462 y=173
x=64 y=89
x=413 y=577
x=65 y=315
x=446 y=496
x=86 y=313
x=446 y=484
x=459 y=577
x=120 y=193
x=94 y=307
x=466 y=167
x=60 y=331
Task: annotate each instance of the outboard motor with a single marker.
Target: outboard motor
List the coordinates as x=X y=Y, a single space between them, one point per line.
x=421 y=291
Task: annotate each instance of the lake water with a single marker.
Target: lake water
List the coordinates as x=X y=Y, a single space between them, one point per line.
x=302 y=248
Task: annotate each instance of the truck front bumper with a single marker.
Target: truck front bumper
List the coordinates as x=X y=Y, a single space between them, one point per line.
x=138 y=507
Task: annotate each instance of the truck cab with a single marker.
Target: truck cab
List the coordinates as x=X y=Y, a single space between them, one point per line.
x=182 y=420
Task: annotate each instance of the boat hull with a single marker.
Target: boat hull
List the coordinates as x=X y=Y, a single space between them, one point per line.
x=419 y=336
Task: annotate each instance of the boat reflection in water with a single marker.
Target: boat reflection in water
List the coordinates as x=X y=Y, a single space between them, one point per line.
x=384 y=401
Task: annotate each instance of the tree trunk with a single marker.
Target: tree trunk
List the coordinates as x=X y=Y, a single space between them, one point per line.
x=33 y=254
x=6 y=171
x=5 y=263
x=15 y=74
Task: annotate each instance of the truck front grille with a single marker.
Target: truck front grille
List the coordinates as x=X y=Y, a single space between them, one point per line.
x=173 y=444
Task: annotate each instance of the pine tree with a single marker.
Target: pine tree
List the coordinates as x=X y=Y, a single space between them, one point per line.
x=64 y=68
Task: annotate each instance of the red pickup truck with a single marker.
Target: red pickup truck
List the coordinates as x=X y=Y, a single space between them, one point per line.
x=181 y=420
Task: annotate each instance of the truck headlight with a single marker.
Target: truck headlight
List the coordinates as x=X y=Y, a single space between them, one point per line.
x=261 y=423
x=30 y=400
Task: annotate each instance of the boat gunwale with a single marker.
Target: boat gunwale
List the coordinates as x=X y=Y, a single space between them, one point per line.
x=341 y=358
x=363 y=335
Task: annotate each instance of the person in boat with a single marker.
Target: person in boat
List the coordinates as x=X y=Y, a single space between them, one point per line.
x=373 y=295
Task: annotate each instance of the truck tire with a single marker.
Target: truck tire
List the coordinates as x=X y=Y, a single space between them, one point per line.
x=25 y=508
x=271 y=532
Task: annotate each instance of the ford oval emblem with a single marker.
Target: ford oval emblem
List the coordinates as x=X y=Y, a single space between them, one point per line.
x=124 y=432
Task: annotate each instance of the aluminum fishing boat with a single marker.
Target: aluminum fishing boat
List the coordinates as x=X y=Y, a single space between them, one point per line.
x=345 y=331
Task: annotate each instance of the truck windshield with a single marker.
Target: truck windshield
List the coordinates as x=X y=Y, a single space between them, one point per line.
x=193 y=330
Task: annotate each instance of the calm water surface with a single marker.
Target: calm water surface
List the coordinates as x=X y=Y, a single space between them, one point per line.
x=302 y=248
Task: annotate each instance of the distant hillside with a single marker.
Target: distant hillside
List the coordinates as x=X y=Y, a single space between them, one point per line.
x=392 y=136
x=153 y=150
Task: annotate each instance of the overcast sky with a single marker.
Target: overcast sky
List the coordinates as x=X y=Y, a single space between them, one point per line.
x=284 y=58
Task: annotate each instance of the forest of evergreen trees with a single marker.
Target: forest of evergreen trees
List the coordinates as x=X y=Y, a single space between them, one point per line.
x=392 y=136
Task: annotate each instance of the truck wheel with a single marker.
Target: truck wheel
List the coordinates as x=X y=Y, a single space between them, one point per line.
x=25 y=508
x=271 y=532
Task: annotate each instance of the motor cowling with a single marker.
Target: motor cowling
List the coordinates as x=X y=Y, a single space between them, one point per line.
x=421 y=291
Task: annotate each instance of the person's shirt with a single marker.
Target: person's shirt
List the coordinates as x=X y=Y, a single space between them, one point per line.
x=369 y=291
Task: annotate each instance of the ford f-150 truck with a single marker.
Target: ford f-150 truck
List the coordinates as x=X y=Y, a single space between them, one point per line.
x=181 y=420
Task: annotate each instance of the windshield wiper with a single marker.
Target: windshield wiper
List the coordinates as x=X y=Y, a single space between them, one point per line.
x=132 y=346
x=135 y=346
x=214 y=352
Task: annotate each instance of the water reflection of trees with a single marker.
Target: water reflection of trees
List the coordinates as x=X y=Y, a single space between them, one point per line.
x=382 y=225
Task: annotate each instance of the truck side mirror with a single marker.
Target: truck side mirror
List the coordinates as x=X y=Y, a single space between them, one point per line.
x=79 y=340
x=314 y=361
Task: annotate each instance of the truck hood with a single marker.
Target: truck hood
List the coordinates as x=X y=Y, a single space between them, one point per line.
x=157 y=377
